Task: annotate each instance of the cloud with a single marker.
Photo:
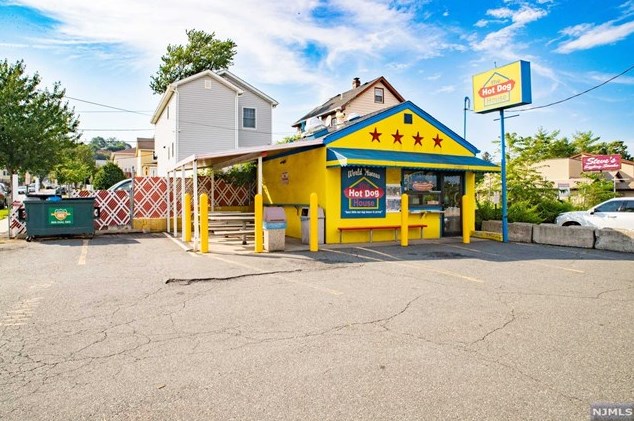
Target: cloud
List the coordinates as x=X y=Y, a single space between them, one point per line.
x=481 y=23
x=602 y=77
x=271 y=36
x=445 y=89
x=501 y=39
x=588 y=36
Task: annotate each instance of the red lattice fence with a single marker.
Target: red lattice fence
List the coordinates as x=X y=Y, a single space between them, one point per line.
x=150 y=201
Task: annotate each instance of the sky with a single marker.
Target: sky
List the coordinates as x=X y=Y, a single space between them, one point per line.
x=302 y=52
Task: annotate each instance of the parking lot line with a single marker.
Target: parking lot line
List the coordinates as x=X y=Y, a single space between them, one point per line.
x=180 y=244
x=401 y=262
x=284 y=278
x=528 y=262
x=84 y=253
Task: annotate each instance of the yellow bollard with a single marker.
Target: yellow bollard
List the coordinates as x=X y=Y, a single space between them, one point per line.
x=467 y=218
x=404 y=220
x=187 y=218
x=313 y=219
x=204 y=223
x=259 y=233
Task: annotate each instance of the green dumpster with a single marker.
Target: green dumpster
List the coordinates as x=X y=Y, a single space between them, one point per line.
x=48 y=216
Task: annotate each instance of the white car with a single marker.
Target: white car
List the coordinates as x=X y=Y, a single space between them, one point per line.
x=613 y=213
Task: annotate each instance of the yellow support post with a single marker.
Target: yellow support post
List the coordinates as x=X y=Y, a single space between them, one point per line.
x=404 y=220
x=259 y=232
x=313 y=217
x=467 y=216
x=187 y=218
x=204 y=223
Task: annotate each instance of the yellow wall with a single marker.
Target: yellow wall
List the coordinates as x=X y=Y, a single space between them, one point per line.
x=334 y=220
x=362 y=138
x=305 y=174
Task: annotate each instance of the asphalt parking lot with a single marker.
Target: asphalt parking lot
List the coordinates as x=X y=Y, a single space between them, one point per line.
x=133 y=327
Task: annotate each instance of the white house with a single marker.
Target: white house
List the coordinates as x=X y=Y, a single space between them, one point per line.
x=209 y=112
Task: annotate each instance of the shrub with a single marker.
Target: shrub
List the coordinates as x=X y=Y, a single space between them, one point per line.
x=549 y=209
x=486 y=211
x=523 y=211
x=107 y=175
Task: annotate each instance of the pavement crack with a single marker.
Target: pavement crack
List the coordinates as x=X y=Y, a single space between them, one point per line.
x=497 y=329
x=188 y=281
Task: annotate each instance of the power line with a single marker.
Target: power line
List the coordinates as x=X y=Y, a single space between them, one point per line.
x=106 y=106
x=147 y=115
x=579 y=94
x=115 y=130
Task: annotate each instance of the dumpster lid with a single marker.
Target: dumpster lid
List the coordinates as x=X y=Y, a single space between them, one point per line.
x=274 y=214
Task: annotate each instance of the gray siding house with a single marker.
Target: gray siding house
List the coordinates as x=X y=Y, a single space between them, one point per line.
x=210 y=112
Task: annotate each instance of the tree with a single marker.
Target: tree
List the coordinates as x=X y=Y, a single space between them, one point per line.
x=77 y=166
x=107 y=175
x=111 y=144
x=36 y=126
x=202 y=52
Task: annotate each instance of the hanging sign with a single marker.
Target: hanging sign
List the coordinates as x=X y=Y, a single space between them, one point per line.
x=362 y=192
x=601 y=162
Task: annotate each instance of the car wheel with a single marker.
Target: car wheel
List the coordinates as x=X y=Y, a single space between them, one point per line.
x=571 y=224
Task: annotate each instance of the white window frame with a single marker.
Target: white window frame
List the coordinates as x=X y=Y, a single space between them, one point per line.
x=255 y=118
x=377 y=89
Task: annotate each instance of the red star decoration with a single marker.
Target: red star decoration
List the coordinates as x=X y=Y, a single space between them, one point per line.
x=397 y=137
x=418 y=139
x=376 y=136
x=437 y=141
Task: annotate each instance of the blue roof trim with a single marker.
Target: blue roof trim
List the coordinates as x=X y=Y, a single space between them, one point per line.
x=407 y=105
x=413 y=157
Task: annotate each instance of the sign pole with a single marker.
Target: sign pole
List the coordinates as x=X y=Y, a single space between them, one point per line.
x=505 y=222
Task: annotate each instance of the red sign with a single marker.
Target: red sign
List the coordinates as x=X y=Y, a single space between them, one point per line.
x=500 y=88
x=601 y=162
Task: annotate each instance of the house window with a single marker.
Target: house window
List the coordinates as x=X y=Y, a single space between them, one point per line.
x=378 y=95
x=248 y=118
x=407 y=118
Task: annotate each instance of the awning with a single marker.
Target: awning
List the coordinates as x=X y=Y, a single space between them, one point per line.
x=342 y=157
x=219 y=160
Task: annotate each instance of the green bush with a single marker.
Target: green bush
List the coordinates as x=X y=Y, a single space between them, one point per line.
x=549 y=209
x=239 y=175
x=487 y=211
x=107 y=175
x=523 y=211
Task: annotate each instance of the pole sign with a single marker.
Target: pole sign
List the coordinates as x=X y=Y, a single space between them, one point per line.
x=502 y=87
x=362 y=192
x=601 y=162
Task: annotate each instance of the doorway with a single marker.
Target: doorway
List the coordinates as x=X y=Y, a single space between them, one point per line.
x=452 y=191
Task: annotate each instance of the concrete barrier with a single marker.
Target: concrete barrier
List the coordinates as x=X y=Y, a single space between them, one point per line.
x=614 y=240
x=519 y=232
x=574 y=236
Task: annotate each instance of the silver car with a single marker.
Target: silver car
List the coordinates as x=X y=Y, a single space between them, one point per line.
x=613 y=213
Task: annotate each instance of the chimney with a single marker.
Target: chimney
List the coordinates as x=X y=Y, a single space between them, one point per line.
x=356 y=83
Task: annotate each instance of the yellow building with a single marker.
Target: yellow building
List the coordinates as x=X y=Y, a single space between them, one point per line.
x=360 y=171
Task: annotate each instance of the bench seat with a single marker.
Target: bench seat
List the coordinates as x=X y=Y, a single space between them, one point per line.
x=372 y=228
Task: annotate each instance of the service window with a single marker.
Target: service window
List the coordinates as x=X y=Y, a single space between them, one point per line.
x=423 y=188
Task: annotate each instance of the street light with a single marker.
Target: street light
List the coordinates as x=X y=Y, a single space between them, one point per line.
x=467 y=106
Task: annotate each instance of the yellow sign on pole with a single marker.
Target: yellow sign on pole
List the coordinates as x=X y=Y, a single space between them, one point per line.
x=502 y=87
